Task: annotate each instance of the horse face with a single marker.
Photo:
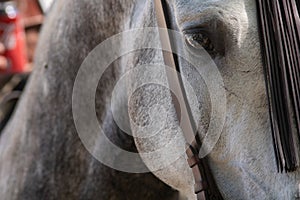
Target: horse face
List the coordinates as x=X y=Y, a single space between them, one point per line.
x=242 y=161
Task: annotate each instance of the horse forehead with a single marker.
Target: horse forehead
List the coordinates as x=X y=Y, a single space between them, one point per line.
x=202 y=4
x=187 y=10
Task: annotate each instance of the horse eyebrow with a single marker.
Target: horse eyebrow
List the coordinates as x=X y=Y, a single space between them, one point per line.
x=280 y=39
x=202 y=18
x=200 y=12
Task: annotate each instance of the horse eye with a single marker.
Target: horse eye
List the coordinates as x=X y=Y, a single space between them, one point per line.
x=198 y=40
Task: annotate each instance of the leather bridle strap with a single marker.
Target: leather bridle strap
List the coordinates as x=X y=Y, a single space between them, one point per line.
x=205 y=186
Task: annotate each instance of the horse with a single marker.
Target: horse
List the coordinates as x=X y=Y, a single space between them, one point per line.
x=43 y=156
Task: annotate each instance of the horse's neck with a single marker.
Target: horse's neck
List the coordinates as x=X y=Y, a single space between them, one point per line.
x=41 y=138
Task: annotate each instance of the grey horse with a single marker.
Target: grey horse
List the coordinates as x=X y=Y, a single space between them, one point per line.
x=42 y=156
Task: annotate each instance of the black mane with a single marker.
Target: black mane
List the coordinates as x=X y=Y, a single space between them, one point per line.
x=280 y=37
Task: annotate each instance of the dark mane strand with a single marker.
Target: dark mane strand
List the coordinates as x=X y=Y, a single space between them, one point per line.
x=280 y=38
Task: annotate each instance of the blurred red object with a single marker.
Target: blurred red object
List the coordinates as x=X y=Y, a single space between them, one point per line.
x=32 y=17
x=13 y=37
x=31 y=12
